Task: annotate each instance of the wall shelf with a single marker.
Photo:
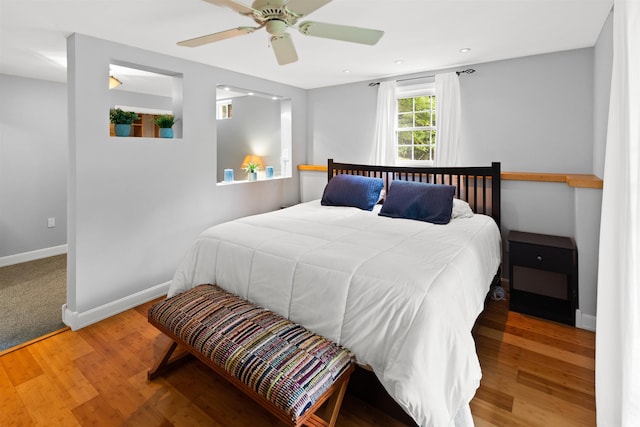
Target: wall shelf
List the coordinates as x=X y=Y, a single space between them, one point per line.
x=572 y=180
x=144 y=127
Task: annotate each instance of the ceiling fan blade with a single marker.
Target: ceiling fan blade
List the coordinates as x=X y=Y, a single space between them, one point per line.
x=222 y=35
x=340 y=32
x=284 y=49
x=305 y=7
x=238 y=7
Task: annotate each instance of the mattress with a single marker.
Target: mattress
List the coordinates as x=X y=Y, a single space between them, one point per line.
x=402 y=295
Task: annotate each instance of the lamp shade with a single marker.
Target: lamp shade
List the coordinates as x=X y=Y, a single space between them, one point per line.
x=252 y=158
x=113 y=82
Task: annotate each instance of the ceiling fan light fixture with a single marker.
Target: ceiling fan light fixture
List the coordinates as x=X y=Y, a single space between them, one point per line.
x=276 y=27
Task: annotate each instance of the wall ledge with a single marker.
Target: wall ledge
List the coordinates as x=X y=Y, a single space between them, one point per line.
x=315 y=168
x=572 y=180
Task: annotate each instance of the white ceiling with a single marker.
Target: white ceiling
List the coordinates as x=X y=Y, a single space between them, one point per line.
x=424 y=34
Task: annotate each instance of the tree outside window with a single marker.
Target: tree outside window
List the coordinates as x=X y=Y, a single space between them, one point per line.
x=416 y=128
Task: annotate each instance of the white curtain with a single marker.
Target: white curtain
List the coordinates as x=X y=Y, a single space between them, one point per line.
x=384 y=136
x=618 y=317
x=448 y=119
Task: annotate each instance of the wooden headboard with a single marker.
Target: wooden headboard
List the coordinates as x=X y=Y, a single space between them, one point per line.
x=477 y=185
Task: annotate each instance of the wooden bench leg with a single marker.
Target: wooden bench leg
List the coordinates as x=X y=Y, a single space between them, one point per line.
x=331 y=411
x=334 y=404
x=164 y=362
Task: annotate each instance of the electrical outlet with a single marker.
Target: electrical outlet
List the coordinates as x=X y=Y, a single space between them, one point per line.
x=51 y=222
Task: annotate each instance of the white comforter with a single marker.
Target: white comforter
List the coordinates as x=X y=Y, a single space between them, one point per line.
x=402 y=295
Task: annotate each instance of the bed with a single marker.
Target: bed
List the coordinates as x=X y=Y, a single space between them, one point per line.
x=401 y=294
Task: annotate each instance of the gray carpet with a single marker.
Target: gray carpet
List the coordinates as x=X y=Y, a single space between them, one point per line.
x=31 y=299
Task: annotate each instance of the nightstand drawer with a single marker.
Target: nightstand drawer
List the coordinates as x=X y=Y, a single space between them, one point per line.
x=541 y=257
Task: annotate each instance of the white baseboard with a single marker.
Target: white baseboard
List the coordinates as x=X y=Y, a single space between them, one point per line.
x=585 y=321
x=33 y=255
x=77 y=320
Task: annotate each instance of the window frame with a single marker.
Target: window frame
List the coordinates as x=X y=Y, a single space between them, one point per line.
x=413 y=91
x=224 y=109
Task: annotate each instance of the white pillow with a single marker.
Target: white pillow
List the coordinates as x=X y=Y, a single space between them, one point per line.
x=461 y=209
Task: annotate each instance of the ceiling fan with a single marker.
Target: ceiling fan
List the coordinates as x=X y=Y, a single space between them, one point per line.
x=276 y=16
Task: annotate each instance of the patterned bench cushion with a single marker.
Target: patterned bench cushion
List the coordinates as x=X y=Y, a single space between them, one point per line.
x=284 y=362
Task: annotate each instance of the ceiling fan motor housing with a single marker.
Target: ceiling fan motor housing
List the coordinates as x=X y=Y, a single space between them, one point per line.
x=276 y=27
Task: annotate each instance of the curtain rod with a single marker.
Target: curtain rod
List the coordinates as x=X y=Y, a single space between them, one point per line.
x=467 y=71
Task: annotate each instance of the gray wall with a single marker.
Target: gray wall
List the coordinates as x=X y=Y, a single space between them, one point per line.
x=136 y=204
x=602 y=64
x=588 y=201
x=341 y=123
x=135 y=99
x=532 y=114
x=33 y=165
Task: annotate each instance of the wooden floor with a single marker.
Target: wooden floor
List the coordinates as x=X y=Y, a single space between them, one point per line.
x=535 y=373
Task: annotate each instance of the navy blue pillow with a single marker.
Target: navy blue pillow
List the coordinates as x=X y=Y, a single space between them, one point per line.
x=352 y=190
x=419 y=200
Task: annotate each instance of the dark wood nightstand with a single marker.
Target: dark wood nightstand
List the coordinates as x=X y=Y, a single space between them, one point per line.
x=543 y=276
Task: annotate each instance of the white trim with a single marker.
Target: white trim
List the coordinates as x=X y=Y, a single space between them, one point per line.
x=417 y=163
x=33 y=255
x=78 y=320
x=585 y=321
x=411 y=90
x=261 y=178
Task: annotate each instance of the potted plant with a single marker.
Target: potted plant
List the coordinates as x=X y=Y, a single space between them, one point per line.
x=252 y=171
x=122 y=121
x=165 y=123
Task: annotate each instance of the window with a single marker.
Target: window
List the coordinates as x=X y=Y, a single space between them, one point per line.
x=416 y=125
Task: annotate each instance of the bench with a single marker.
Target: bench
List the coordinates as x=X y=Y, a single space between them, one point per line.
x=284 y=367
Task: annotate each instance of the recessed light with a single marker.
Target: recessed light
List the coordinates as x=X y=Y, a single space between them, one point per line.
x=346 y=71
x=398 y=61
x=274 y=97
x=465 y=49
x=250 y=93
x=227 y=88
